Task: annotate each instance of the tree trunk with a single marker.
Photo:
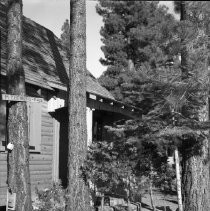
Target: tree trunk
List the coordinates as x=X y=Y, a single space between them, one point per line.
x=79 y=199
x=196 y=179
x=140 y=208
x=128 y=193
x=178 y=179
x=184 y=52
x=151 y=195
x=18 y=158
x=102 y=203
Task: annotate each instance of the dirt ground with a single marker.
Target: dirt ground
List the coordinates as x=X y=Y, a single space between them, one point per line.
x=160 y=200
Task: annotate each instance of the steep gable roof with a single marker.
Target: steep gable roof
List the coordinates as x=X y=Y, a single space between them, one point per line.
x=44 y=62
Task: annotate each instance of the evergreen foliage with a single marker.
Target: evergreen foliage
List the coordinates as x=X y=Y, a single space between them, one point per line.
x=164 y=97
x=126 y=164
x=135 y=34
x=65 y=36
x=194 y=44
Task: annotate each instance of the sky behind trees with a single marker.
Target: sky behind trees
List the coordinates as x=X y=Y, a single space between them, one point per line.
x=52 y=14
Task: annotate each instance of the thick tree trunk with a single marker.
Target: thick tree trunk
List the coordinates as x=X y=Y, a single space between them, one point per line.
x=77 y=189
x=18 y=158
x=196 y=178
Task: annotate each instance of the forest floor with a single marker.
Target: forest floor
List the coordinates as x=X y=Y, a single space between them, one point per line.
x=161 y=200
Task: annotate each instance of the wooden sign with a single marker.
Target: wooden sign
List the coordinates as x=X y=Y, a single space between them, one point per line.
x=11 y=201
x=21 y=98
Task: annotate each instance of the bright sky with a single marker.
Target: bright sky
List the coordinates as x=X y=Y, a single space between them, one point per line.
x=52 y=14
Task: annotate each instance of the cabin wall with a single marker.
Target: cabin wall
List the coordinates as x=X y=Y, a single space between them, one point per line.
x=41 y=162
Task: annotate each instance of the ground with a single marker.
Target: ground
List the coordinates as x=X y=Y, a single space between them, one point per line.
x=160 y=200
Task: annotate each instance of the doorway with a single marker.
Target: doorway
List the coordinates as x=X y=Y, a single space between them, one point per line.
x=62 y=118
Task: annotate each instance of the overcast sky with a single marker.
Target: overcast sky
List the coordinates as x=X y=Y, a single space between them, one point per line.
x=52 y=14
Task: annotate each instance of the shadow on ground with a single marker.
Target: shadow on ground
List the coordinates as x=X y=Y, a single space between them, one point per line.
x=146 y=206
x=172 y=201
x=167 y=208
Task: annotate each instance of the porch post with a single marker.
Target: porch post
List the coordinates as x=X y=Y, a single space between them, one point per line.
x=89 y=114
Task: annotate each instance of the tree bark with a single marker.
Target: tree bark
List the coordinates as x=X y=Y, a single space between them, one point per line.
x=79 y=199
x=196 y=179
x=18 y=158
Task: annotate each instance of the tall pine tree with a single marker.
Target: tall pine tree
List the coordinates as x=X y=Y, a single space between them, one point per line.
x=183 y=88
x=132 y=38
x=194 y=61
x=18 y=158
x=77 y=130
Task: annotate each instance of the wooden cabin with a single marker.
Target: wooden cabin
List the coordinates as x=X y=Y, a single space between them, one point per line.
x=46 y=74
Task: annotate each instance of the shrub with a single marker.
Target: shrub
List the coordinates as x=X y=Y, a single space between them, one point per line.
x=121 y=208
x=50 y=199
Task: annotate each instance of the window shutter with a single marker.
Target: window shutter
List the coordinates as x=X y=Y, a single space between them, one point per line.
x=2 y=125
x=34 y=118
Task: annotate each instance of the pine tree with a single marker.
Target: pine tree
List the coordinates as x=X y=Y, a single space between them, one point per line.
x=164 y=90
x=195 y=165
x=18 y=158
x=77 y=131
x=65 y=36
x=163 y=87
x=131 y=35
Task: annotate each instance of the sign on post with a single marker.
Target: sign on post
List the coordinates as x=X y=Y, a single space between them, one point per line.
x=8 y=97
x=11 y=201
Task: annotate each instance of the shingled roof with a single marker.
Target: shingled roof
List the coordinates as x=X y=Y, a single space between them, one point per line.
x=44 y=62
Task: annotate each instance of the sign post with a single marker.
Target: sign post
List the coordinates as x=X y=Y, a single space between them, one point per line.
x=8 y=97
